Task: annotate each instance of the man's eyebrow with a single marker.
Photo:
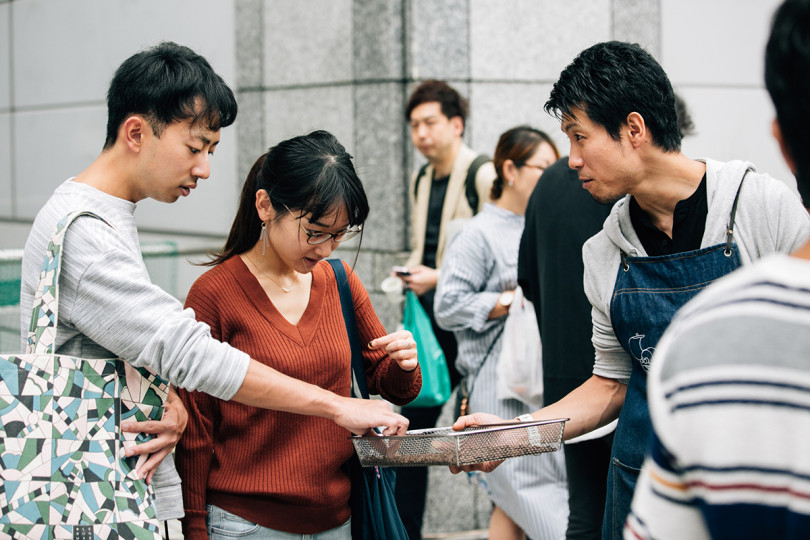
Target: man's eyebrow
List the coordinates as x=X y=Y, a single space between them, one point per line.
x=568 y=125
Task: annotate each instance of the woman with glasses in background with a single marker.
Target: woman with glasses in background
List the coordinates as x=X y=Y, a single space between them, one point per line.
x=250 y=472
x=475 y=290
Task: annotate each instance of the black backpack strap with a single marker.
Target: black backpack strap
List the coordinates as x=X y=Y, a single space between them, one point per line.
x=470 y=188
x=419 y=176
x=359 y=385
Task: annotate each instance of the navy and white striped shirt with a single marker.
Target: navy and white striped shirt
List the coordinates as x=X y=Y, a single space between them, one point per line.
x=729 y=397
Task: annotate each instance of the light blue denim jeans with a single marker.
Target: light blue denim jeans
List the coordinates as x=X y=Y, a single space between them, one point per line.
x=222 y=525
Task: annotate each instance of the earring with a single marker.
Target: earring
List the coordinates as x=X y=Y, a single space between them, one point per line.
x=263 y=237
x=511 y=182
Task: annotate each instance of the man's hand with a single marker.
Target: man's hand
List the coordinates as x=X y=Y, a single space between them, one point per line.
x=476 y=419
x=421 y=280
x=166 y=433
x=399 y=346
x=360 y=415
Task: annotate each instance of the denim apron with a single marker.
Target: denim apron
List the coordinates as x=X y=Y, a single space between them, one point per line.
x=648 y=292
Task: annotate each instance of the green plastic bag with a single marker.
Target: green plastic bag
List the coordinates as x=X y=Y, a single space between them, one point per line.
x=435 y=377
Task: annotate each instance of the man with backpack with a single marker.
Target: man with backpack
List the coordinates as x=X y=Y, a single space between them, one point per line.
x=452 y=186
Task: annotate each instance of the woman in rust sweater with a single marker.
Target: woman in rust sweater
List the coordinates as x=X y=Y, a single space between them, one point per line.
x=271 y=294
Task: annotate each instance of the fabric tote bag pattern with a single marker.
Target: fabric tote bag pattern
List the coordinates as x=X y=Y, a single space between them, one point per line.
x=435 y=376
x=374 y=508
x=63 y=471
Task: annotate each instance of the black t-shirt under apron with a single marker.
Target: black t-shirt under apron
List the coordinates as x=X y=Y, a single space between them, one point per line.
x=688 y=225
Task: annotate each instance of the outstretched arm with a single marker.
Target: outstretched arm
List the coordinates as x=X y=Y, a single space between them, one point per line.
x=593 y=404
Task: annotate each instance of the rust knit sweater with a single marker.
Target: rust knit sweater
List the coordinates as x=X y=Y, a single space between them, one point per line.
x=280 y=470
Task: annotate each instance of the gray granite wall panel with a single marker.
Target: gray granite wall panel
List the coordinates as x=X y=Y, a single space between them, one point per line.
x=250 y=127
x=532 y=40
x=379 y=130
x=638 y=21
x=249 y=43
x=500 y=106
x=378 y=45
x=297 y=111
x=307 y=42
x=438 y=39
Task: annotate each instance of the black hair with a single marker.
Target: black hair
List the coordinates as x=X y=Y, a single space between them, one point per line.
x=518 y=144
x=787 y=78
x=451 y=102
x=166 y=83
x=610 y=80
x=309 y=174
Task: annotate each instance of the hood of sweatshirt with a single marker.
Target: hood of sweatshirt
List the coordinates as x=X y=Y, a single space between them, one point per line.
x=619 y=228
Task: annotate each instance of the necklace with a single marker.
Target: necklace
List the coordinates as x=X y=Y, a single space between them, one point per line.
x=265 y=274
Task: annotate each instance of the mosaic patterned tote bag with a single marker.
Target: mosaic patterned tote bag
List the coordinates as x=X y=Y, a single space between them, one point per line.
x=63 y=471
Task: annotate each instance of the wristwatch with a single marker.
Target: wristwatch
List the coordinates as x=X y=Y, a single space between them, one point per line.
x=506 y=298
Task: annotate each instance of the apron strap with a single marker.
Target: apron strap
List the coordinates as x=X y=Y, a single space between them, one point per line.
x=730 y=229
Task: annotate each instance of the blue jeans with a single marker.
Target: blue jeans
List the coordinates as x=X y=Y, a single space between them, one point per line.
x=222 y=525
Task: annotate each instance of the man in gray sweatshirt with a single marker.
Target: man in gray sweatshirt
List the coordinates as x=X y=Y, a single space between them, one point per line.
x=166 y=107
x=678 y=224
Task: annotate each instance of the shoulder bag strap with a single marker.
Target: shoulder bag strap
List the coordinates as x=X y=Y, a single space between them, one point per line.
x=730 y=227
x=419 y=176
x=470 y=187
x=45 y=311
x=359 y=385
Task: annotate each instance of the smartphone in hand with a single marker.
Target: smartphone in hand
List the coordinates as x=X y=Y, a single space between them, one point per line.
x=401 y=271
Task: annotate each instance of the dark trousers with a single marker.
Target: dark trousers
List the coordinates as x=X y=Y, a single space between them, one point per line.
x=412 y=482
x=586 y=464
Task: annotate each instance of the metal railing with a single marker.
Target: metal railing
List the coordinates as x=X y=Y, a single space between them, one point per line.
x=162 y=261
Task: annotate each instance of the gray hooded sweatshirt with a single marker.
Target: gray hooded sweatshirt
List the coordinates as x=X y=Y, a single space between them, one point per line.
x=770 y=219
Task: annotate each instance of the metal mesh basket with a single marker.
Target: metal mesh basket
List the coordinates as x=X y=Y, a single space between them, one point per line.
x=444 y=446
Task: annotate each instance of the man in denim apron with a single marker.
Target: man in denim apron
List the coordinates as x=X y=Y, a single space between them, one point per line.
x=678 y=225
x=730 y=388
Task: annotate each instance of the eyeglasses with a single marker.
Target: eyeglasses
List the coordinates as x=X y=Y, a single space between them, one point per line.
x=319 y=237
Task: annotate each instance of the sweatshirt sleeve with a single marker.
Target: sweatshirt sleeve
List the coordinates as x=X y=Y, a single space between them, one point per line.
x=793 y=220
x=117 y=306
x=611 y=360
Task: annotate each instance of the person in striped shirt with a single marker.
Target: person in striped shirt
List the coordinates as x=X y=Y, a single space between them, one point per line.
x=729 y=390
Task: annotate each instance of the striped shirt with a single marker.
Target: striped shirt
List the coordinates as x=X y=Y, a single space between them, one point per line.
x=480 y=263
x=729 y=397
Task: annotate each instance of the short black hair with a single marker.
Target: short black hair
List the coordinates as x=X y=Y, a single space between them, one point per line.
x=166 y=83
x=787 y=78
x=451 y=102
x=610 y=80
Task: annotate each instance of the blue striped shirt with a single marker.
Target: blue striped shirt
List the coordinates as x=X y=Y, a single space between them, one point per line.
x=729 y=397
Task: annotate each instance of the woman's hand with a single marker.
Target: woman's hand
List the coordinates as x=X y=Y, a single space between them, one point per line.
x=399 y=346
